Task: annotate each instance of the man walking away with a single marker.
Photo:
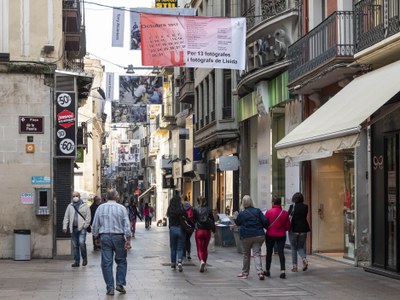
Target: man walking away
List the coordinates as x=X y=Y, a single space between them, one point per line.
x=111 y=227
x=77 y=218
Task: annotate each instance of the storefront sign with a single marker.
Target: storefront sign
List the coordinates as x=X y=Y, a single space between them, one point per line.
x=65 y=125
x=166 y=3
x=30 y=125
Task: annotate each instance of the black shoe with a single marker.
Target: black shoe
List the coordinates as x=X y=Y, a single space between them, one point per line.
x=267 y=273
x=75 y=265
x=120 y=289
x=110 y=292
x=188 y=257
x=283 y=275
x=84 y=262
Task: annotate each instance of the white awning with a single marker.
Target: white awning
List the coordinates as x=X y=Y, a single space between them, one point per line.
x=336 y=124
x=146 y=192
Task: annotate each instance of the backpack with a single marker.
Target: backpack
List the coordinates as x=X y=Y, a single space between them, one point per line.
x=203 y=216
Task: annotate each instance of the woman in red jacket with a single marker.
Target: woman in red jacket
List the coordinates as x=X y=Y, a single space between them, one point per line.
x=276 y=233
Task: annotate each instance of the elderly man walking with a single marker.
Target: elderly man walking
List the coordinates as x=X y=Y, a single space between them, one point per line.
x=112 y=229
x=77 y=218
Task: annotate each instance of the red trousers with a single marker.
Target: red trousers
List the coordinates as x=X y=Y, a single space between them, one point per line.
x=202 y=237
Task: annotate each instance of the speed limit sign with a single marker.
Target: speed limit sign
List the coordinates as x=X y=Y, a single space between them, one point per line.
x=67 y=146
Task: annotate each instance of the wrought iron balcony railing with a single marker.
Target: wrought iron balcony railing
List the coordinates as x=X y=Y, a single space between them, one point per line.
x=375 y=20
x=331 y=39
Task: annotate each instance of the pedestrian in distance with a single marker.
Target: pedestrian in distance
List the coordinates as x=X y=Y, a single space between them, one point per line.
x=298 y=232
x=175 y=213
x=77 y=219
x=112 y=229
x=252 y=223
x=96 y=203
x=151 y=214
x=134 y=214
x=276 y=233
x=188 y=235
x=146 y=214
x=205 y=224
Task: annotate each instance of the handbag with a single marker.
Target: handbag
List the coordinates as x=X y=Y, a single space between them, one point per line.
x=186 y=225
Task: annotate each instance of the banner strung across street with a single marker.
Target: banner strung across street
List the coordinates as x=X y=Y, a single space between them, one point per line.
x=135 y=42
x=199 y=42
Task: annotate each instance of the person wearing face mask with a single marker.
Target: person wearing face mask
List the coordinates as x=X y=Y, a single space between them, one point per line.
x=77 y=218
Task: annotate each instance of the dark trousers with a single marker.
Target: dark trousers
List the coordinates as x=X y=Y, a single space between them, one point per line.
x=269 y=242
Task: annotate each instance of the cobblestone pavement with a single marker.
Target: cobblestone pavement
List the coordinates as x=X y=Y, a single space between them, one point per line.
x=150 y=277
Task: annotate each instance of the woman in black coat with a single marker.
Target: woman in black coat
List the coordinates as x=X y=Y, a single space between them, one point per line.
x=299 y=227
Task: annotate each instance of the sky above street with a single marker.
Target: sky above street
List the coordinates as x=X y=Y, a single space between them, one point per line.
x=98 y=20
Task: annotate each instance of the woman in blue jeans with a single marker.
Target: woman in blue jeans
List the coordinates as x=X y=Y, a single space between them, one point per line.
x=299 y=228
x=177 y=235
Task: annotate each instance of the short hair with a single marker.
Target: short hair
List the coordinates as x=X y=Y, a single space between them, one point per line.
x=298 y=198
x=201 y=200
x=276 y=200
x=247 y=201
x=112 y=194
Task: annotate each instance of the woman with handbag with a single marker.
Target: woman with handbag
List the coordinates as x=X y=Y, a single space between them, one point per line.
x=252 y=223
x=276 y=233
x=204 y=223
x=176 y=215
x=299 y=228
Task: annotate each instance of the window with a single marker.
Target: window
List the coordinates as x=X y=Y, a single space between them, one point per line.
x=227 y=104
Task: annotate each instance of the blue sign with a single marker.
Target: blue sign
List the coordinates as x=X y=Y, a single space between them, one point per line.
x=40 y=180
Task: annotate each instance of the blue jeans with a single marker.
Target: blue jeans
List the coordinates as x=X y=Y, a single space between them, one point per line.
x=298 y=245
x=176 y=242
x=78 y=243
x=113 y=245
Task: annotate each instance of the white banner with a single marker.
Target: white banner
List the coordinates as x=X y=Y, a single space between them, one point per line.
x=118 y=28
x=109 y=86
x=200 y=42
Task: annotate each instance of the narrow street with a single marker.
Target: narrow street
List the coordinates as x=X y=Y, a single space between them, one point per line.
x=150 y=277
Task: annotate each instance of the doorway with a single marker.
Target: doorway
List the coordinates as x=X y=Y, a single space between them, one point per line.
x=328 y=202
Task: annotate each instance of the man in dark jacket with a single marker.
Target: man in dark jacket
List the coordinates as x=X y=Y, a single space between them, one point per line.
x=93 y=208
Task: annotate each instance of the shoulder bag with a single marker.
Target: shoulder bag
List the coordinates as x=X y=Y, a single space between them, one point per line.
x=265 y=226
x=89 y=228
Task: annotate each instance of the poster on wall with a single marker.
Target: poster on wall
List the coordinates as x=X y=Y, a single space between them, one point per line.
x=65 y=125
x=201 y=42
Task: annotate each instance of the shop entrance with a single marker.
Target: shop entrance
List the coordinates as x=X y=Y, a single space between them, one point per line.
x=330 y=224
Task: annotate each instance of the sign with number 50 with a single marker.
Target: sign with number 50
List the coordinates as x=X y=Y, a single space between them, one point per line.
x=65 y=122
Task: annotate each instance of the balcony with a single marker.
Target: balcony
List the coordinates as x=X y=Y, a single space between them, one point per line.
x=377 y=24
x=186 y=86
x=323 y=50
x=74 y=29
x=269 y=10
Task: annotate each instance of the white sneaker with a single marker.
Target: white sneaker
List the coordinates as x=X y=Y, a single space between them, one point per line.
x=180 y=268
x=202 y=266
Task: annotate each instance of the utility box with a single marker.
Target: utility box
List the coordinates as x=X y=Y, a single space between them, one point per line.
x=22 y=244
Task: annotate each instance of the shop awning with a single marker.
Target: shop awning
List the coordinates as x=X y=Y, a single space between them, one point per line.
x=146 y=192
x=336 y=124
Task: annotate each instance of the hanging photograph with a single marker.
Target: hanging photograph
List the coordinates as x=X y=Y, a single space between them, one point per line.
x=128 y=113
x=140 y=89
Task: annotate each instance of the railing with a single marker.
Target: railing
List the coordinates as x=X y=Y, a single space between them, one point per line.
x=375 y=20
x=331 y=39
x=250 y=14
x=271 y=8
